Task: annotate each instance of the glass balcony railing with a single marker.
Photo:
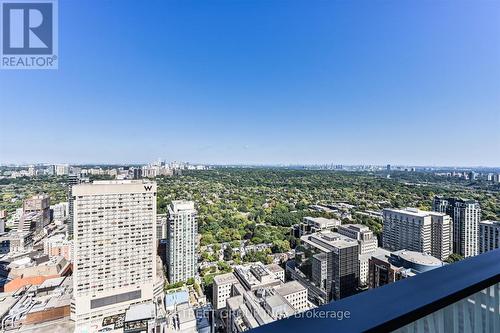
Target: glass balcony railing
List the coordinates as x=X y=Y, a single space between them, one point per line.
x=460 y=297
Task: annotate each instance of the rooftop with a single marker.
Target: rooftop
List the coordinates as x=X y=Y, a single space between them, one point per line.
x=185 y=313
x=378 y=253
x=52 y=283
x=140 y=312
x=234 y=302
x=181 y=205
x=290 y=288
x=461 y=200
x=355 y=227
x=414 y=212
x=14 y=235
x=490 y=222
x=325 y=241
x=172 y=299
x=225 y=278
x=275 y=268
x=117 y=182
x=408 y=211
x=322 y=221
x=418 y=258
x=255 y=275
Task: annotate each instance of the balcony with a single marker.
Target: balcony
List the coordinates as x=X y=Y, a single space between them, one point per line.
x=461 y=297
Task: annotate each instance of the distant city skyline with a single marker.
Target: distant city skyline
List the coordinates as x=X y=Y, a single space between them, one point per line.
x=256 y=165
x=401 y=83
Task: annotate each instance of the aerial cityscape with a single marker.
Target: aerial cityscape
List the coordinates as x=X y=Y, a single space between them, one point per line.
x=179 y=247
x=235 y=166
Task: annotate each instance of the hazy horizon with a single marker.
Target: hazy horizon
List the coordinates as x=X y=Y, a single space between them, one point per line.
x=248 y=164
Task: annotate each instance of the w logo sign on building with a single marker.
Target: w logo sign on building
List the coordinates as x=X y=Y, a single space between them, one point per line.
x=28 y=34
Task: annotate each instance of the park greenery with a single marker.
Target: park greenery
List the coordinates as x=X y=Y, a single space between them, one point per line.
x=260 y=205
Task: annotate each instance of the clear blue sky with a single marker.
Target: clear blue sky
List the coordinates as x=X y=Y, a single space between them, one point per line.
x=412 y=82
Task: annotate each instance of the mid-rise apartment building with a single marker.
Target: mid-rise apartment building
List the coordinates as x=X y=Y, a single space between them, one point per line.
x=114 y=248
x=417 y=230
x=466 y=215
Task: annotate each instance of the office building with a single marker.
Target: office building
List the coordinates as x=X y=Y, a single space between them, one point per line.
x=339 y=259
x=295 y=294
x=182 y=232
x=366 y=240
x=320 y=272
x=368 y=246
x=417 y=230
x=345 y=264
x=466 y=215
x=29 y=222
x=489 y=235
x=277 y=270
x=222 y=288
x=114 y=248
x=38 y=204
x=16 y=242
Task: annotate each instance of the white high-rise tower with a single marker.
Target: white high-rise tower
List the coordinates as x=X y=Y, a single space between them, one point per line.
x=182 y=231
x=114 y=247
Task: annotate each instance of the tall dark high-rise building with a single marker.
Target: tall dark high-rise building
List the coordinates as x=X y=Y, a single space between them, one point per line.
x=137 y=173
x=335 y=268
x=345 y=266
x=466 y=215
